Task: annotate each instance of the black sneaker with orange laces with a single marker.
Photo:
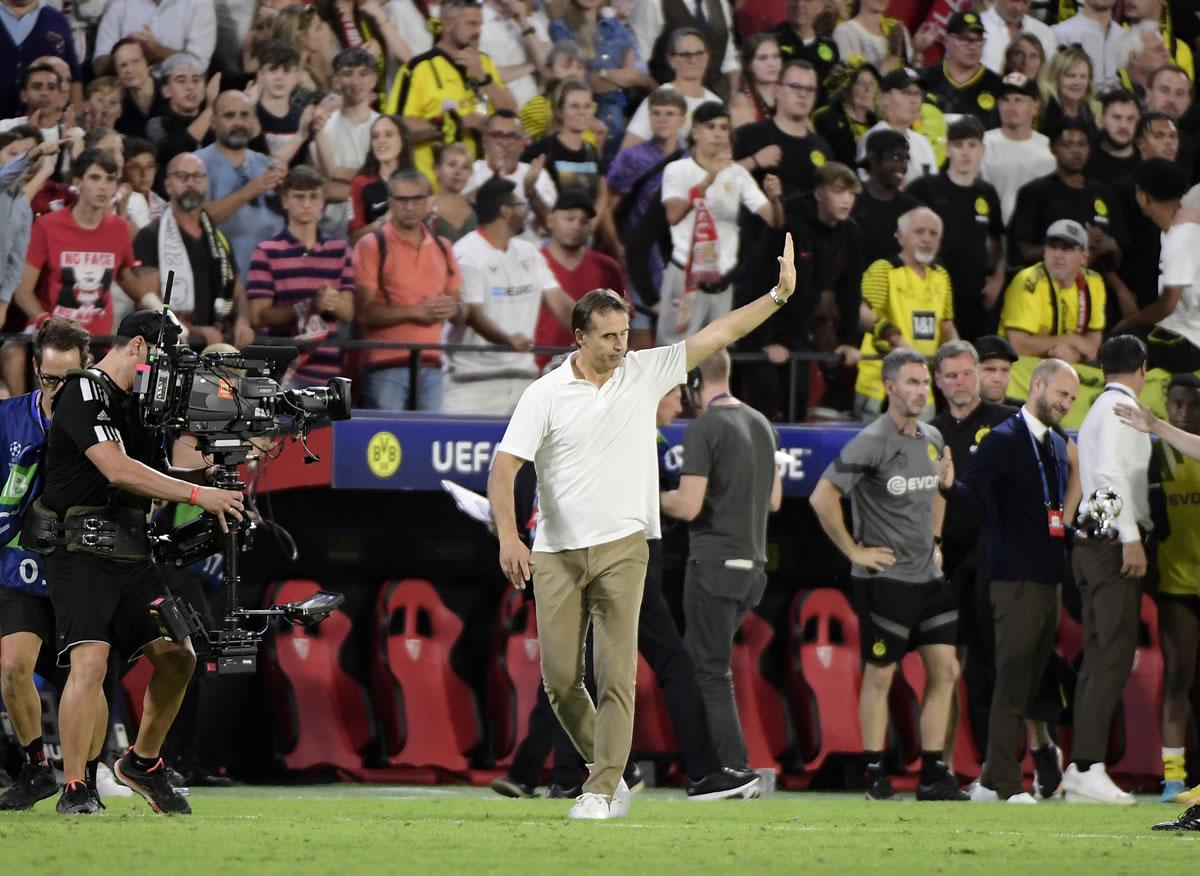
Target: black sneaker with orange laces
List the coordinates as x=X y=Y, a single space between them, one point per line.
x=153 y=784
x=76 y=799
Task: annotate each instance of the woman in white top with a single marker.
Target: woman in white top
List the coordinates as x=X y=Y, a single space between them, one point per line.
x=884 y=42
x=688 y=56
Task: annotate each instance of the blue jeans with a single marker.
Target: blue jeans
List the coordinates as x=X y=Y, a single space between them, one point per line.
x=387 y=389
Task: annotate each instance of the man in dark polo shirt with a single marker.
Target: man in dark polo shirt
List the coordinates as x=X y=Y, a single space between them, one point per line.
x=960 y=85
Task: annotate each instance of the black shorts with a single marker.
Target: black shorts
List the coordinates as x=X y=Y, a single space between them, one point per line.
x=98 y=600
x=24 y=612
x=1191 y=603
x=895 y=617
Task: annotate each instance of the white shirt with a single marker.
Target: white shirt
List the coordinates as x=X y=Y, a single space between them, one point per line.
x=1115 y=456
x=1036 y=427
x=509 y=284
x=922 y=160
x=647 y=22
x=1009 y=164
x=733 y=187
x=1179 y=265
x=595 y=449
x=640 y=123
x=349 y=142
x=413 y=26
x=1109 y=50
x=49 y=135
x=501 y=41
x=853 y=39
x=481 y=172
x=183 y=25
x=996 y=38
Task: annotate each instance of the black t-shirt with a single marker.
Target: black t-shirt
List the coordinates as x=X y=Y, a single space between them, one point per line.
x=1105 y=166
x=822 y=52
x=970 y=218
x=374 y=201
x=133 y=122
x=1139 y=261
x=832 y=123
x=963 y=523
x=569 y=168
x=877 y=221
x=1048 y=199
x=976 y=97
x=276 y=131
x=84 y=416
x=801 y=155
x=206 y=271
x=169 y=133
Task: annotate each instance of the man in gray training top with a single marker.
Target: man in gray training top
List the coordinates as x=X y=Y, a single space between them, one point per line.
x=727 y=486
x=890 y=472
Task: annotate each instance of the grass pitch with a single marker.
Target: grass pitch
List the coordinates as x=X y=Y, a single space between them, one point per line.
x=359 y=829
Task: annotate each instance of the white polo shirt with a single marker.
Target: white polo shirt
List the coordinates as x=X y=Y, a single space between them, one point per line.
x=595 y=449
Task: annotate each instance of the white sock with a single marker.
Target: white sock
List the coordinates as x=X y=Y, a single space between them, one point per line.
x=1172 y=752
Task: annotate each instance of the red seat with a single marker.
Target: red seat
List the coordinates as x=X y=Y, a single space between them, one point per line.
x=966 y=755
x=1136 y=734
x=323 y=717
x=134 y=683
x=516 y=675
x=653 y=732
x=429 y=713
x=760 y=706
x=824 y=675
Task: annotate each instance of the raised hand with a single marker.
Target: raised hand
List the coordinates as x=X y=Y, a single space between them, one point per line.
x=787 y=270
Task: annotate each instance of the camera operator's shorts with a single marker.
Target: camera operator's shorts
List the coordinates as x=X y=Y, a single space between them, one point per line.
x=98 y=600
x=895 y=617
x=23 y=612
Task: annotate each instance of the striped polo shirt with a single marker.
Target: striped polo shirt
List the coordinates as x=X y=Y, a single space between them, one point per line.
x=284 y=271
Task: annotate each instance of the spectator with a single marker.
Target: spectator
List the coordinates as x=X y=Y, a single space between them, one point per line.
x=503 y=142
x=1067 y=194
x=1109 y=572
x=901 y=107
x=687 y=55
x=996 y=358
x=451 y=212
x=569 y=159
x=1156 y=16
x=362 y=24
x=656 y=24
x=408 y=285
x=1147 y=53
x=1157 y=137
x=1169 y=91
x=912 y=302
x=1068 y=92
x=707 y=177
x=1093 y=29
x=517 y=39
x=1025 y=55
x=884 y=42
x=614 y=67
x=206 y=295
x=340 y=147
x=505 y=283
x=283 y=126
x=786 y=145
x=1055 y=308
x=973 y=245
x=761 y=64
x=1004 y=22
x=103 y=108
x=878 y=208
x=301 y=27
x=1113 y=156
x=446 y=96
x=181 y=26
x=577 y=268
x=798 y=37
x=42 y=95
x=75 y=255
x=961 y=84
x=564 y=61
x=1015 y=154
x=31 y=31
x=411 y=19
x=301 y=282
x=187 y=121
x=853 y=91
x=141 y=168
x=241 y=182
x=22 y=155
x=142 y=100
x=390 y=151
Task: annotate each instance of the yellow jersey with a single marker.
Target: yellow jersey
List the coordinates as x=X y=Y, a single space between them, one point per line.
x=1036 y=305
x=1179 y=552
x=903 y=299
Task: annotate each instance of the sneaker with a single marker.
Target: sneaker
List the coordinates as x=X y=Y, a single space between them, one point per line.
x=633 y=778
x=1172 y=790
x=77 y=799
x=590 y=807
x=1022 y=799
x=945 y=788
x=1188 y=798
x=558 y=792
x=33 y=783
x=1093 y=786
x=881 y=789
x=981 y=793
x=1047 y=771
x=724 y=784
x=619 y=807
x=107 y=784
x=1190 y=820
x=153 y=784
x=506 y=787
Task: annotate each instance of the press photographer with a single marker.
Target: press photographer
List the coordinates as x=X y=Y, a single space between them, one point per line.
x=102 y=468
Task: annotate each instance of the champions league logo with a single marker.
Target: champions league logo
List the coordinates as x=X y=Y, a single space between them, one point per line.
x=14 y=450
x=1100 y=513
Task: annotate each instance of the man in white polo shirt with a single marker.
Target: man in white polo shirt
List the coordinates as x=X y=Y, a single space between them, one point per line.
x=588 y=426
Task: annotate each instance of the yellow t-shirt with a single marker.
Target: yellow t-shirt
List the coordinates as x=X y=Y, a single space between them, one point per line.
x=1028 y=307
x=1179 y=553
x=428 y=88
x=915 y=305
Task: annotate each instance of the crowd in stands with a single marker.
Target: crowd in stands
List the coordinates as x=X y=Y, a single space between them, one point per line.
x=412 y=174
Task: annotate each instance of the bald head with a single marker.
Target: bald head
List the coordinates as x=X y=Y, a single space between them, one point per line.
x=234 y=121
x=1052 y=390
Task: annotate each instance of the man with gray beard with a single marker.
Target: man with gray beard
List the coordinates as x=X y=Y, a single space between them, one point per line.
x=241 y=182
x=207 y=295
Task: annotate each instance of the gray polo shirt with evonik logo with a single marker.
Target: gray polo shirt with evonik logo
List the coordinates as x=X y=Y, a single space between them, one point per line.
x=892 y=479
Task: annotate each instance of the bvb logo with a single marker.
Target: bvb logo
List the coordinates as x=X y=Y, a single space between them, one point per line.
x=383 y=454
x=981 y=206
x=934 y=456
x=979 y=436
x=879 y=648
x=1101 y=207
x=986 y=101
x=817 y=158
x=824 y=52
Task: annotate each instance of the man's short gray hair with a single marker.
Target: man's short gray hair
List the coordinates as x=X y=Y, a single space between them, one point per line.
x=898 y=358
x=177 y=63
x=903 y=222
x=950 y=350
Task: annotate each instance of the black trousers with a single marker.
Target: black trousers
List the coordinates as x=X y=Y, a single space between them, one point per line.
x=662 y=646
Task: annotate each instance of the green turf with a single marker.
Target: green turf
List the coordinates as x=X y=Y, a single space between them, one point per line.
x=360 y=829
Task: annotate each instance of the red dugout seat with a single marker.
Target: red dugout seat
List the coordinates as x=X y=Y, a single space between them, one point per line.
x=760 y=706
x=1136 y=733
x=966 y=755
x=134 y=683
x=516 y=675
x=652 y=729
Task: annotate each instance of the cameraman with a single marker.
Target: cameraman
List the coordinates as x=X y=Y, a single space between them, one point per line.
x=99 y=468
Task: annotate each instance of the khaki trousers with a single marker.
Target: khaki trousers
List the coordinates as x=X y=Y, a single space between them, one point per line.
x=601 y=585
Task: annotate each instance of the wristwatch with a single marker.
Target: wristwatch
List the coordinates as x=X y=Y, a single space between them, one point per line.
x=775 y=296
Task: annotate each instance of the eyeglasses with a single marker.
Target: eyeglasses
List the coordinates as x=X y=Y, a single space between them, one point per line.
x=408 y=200
x=800 y=87
x=185 y=177
x=50 y=381
x=690 y=56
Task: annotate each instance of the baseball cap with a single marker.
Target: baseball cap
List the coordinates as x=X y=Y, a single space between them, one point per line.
x=994 y=347
x=148 y=324
x=1068 y=231
x=900 y=78
x=964 y=22
x=1019 y=83
x=575 y=198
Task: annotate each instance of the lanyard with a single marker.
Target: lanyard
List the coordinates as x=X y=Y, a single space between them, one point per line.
x=1041 y=468
x=718 y=397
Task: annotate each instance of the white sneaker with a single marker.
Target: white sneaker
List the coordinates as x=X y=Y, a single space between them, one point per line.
x=590 y=807
x=619 y=807
x=1022 y=799
x=107 y=784
x=1093 y=786
x=982 y=794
